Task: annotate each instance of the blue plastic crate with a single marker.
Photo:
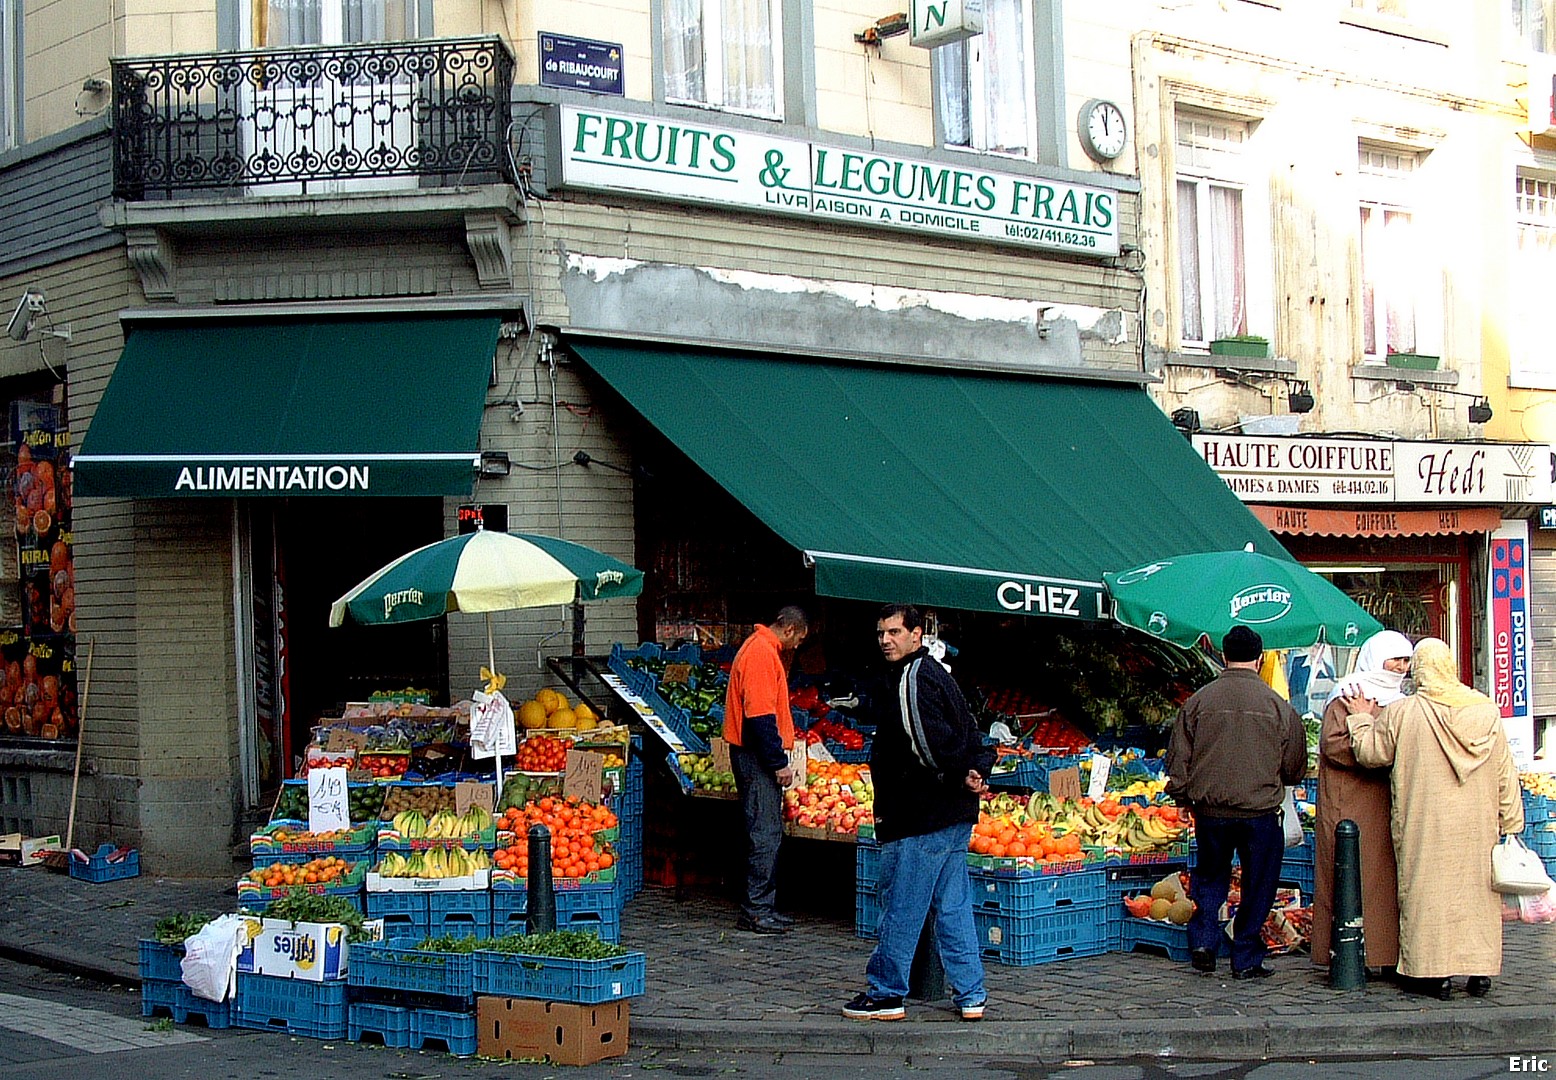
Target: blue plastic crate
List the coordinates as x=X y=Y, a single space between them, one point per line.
x=1538 y=808
x=1035 y=894
x=848 y=757
x=399 y=967
x=391 y=1023
x=867 y=914
x=550 y=978
x=459 y=914
x=179 y=1002
x=1298 y=875
x=595 y=908
x=1540 y=839
x=416 y=905
x=159 y=961
x=97 y=869
x=1037 y=939
x=1155 y=935
x=867 y=864
x=315 y=1010
x=454 y=1030
x=259 y=905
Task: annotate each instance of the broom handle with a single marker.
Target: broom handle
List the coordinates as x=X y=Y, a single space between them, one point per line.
x=75 y=781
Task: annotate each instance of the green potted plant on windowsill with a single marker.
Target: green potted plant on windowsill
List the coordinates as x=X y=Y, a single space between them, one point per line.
x=1252 y=345
x=1414 y=361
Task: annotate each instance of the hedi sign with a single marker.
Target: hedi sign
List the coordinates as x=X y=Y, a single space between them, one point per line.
x=940 y=22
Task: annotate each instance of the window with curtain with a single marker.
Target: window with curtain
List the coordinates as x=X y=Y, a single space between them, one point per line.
x=10 y=75
x=985 y=96
x=1211 y=227
x=1395 y=275
x=1533 y=24
x=284 y=23
x=1533 y=361
x=726 y=54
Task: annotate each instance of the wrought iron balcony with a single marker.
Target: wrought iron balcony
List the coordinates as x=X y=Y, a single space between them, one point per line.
x=313 y=120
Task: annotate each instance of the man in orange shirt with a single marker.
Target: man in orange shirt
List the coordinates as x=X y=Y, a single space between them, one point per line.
x=760 y=731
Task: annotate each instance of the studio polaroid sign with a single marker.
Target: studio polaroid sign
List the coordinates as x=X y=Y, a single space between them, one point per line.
x=581 y=64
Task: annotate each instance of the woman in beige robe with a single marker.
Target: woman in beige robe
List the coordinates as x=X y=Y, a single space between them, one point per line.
x=1346 y=791
x=1455 y=792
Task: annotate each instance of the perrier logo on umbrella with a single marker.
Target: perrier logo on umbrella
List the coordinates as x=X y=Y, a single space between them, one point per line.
x=1260 y=604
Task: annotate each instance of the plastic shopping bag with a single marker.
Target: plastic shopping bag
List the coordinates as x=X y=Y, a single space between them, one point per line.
x=1517 y=870
x=211 y=957
x=1540 y=908
x=1290 y=821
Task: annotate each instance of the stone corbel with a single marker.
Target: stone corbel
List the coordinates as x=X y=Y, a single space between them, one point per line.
x=151 y=254
x=491 y=246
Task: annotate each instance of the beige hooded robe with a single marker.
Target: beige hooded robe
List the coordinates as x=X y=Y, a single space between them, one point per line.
x=1455 y=792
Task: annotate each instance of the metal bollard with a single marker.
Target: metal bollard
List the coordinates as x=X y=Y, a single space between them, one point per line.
x=540 y=904
x=1348 y=945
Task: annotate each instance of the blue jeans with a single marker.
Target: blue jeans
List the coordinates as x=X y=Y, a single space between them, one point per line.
x=762 y=800
x=1260 y=845
x=920 y=874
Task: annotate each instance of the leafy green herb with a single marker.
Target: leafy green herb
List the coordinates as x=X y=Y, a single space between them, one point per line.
x=175 y=928
x=300 y=905
x=565 y=944
x=451 y=944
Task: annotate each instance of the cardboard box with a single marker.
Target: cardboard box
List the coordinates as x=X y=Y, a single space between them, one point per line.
x=17 y=850
x=312 y=951
x=562 y=1034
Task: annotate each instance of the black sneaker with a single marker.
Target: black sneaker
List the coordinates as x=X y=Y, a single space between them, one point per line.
x=1203 y=959
x=762 y=924
x=865 y=1007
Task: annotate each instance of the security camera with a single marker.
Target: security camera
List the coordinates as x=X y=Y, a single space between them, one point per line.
x=26 y=313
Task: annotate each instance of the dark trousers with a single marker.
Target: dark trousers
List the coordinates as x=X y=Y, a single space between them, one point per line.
x=1260 y=845
x=762 y=799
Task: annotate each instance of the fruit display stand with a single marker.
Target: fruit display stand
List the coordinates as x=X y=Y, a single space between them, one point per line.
x=322 y=876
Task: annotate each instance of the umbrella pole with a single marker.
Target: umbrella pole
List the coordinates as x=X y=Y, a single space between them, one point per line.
x=491 y=665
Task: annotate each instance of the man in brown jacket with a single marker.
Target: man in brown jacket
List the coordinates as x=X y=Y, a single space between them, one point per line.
x=1235 y=747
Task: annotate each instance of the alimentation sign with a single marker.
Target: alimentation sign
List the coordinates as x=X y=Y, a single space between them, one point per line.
x=749 y=171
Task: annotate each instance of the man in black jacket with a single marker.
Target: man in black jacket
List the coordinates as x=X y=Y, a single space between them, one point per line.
x=929 y=766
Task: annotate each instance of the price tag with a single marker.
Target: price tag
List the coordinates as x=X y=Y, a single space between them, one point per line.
x=818 y=752
x=328 y=809
x=1065 y=784
x=341 y=738
x=468 y=793
x=798 y=770
x=1101 y=764
x=719 y=749
x=584 y=776
x=677 y=673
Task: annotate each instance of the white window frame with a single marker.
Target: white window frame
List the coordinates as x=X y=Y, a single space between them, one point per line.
x=10 y=74
x=332 y=17
x=1214 y=151
x=1386 y=180
x=1520 y=36
x=714 y=86
x=1534 y=219
x=973 y=49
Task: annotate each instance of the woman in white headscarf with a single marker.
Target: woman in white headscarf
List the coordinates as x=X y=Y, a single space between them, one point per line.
x=1455 y=790
x=1348 y=791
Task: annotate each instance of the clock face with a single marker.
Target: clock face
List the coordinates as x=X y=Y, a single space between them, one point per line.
x=1102 y=130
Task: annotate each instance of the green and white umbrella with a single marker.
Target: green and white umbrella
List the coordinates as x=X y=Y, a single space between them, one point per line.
x=1185 y=597
x=485 y=572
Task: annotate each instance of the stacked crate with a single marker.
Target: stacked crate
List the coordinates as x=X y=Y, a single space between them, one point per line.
x=630 y=847
x=409 y=999
x=162 y=988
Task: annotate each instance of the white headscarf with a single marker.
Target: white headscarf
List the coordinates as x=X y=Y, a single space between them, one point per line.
x=1368 y=677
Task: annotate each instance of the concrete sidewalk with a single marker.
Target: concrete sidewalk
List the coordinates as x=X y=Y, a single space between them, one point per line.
x=713 y=987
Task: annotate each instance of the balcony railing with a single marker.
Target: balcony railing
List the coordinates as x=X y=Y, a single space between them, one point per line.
x=313 y=120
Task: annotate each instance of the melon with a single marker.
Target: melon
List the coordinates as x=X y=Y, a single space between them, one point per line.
x=1160 y=907
x=1163 y=890
x=1180 y=912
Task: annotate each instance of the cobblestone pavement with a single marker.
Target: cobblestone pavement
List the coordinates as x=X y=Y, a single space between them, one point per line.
x=711 y=985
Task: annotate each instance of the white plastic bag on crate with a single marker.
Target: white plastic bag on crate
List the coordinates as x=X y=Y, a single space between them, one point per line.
x=1290 y=820
x=211 y=957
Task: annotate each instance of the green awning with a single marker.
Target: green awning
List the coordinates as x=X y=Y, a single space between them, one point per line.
x=950 y=489
x=363 y=406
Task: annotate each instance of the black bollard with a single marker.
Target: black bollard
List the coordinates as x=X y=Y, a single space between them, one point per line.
x=926 y=978
x=1347 y=944
x=540 y=904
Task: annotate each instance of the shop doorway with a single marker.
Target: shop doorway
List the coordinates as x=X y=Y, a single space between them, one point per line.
x=300 y=556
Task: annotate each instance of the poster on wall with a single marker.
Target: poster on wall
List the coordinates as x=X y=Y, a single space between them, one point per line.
x=1511 y=642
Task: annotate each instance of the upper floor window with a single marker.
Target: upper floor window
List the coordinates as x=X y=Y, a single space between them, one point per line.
x=985 y=83
x=1212 y=227
x=724 y=53
x=1534 y=24
x=284 y=23
x=1396 y=278
x=10 y=74
x=1532 y=361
